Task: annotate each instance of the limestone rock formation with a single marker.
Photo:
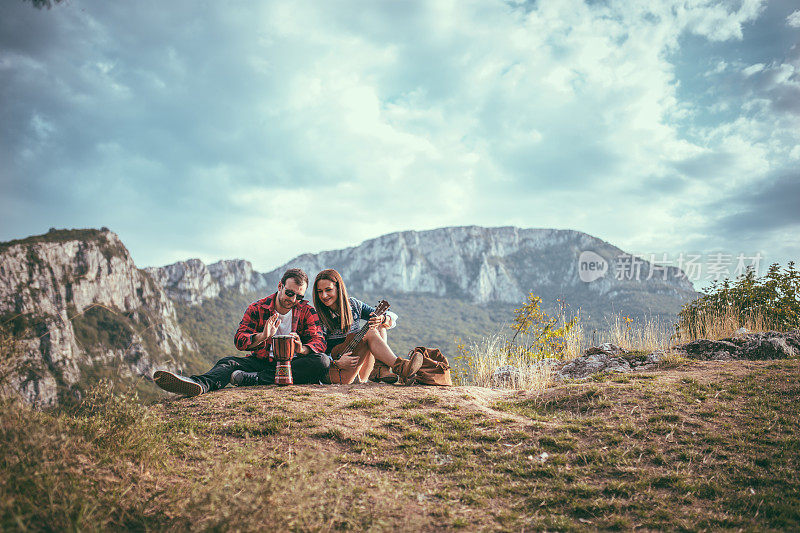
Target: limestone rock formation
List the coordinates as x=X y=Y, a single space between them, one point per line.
x=744 y=346
x=192 y=281
x=470 y=263
x=488 y=264
x=607 y=357
x=592 y=364
x=79 y=308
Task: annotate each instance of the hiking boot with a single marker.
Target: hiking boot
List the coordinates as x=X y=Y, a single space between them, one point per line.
x=382 y=373
x=406 y=368
x=178 y=384
x=240 y=378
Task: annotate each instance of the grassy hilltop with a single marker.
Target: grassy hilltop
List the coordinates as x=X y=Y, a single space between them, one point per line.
x=705 y=445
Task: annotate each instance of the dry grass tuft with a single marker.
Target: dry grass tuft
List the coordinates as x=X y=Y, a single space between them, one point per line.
x=718 y=324
x=672 y=360
x=645 y=335
x=477 y=363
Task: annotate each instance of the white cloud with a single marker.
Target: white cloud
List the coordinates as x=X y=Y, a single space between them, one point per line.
x=715 y=22
x=42 y=127
x=377 y=117
x=793 y=20
x=752 y=69
x=721 y=67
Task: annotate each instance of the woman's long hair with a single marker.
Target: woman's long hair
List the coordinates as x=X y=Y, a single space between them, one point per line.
x=324 y=312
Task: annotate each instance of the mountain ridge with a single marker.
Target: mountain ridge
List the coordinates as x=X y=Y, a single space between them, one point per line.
x=473 y=263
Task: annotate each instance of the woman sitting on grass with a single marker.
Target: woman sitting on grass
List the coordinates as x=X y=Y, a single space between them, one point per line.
x=339 y=314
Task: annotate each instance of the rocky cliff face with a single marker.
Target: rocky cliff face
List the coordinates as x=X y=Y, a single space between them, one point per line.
x=80 y=308
x=496 y=264
x=192 y=281
x=471 y=263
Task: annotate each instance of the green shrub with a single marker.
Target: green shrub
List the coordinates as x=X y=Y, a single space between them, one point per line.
x=541 y=334
x=100 y=325
x=769 y=302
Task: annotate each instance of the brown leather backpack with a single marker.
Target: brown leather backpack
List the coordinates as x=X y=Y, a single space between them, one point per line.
x=435 y=369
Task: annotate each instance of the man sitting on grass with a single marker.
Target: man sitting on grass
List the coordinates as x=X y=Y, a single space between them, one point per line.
x=282 y=313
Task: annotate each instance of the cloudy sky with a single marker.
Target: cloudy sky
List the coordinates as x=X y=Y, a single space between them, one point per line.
x=222 y=129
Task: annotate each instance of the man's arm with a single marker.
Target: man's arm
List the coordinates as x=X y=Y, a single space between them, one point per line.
x=246 y=333
x=309 y=328
x=247 y=336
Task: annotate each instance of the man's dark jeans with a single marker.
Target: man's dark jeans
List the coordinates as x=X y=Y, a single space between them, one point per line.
x=309 y=368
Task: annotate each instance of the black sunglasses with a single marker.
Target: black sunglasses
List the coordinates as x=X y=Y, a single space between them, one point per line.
x=291 y=294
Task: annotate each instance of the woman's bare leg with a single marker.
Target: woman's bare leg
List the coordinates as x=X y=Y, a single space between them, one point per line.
x=379 y=348
x=373 y=348
x=380 y=371
x=366 y=368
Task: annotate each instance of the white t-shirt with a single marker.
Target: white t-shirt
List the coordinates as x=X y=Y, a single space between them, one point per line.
x=284 y=328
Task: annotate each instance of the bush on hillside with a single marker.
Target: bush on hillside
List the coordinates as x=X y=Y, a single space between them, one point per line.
x=771 y=302
x=99 y=325
x=541 y=335
x=537 y=335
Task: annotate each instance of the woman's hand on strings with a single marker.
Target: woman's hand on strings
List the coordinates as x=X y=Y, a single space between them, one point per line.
x=376 y=321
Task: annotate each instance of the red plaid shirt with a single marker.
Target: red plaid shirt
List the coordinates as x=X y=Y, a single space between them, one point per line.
x=305 y=322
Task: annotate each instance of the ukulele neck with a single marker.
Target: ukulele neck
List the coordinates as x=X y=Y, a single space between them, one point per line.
x=358 y=337
x=383 y=305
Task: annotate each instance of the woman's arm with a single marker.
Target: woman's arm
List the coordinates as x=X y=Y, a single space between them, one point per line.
x=365 y=312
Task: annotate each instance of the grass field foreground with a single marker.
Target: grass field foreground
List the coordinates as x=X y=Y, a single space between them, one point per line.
x=706 y=445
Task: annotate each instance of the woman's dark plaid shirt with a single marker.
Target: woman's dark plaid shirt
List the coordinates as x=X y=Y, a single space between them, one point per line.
x=305 y=321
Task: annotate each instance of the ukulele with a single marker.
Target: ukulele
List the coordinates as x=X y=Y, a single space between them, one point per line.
x=353 y=339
